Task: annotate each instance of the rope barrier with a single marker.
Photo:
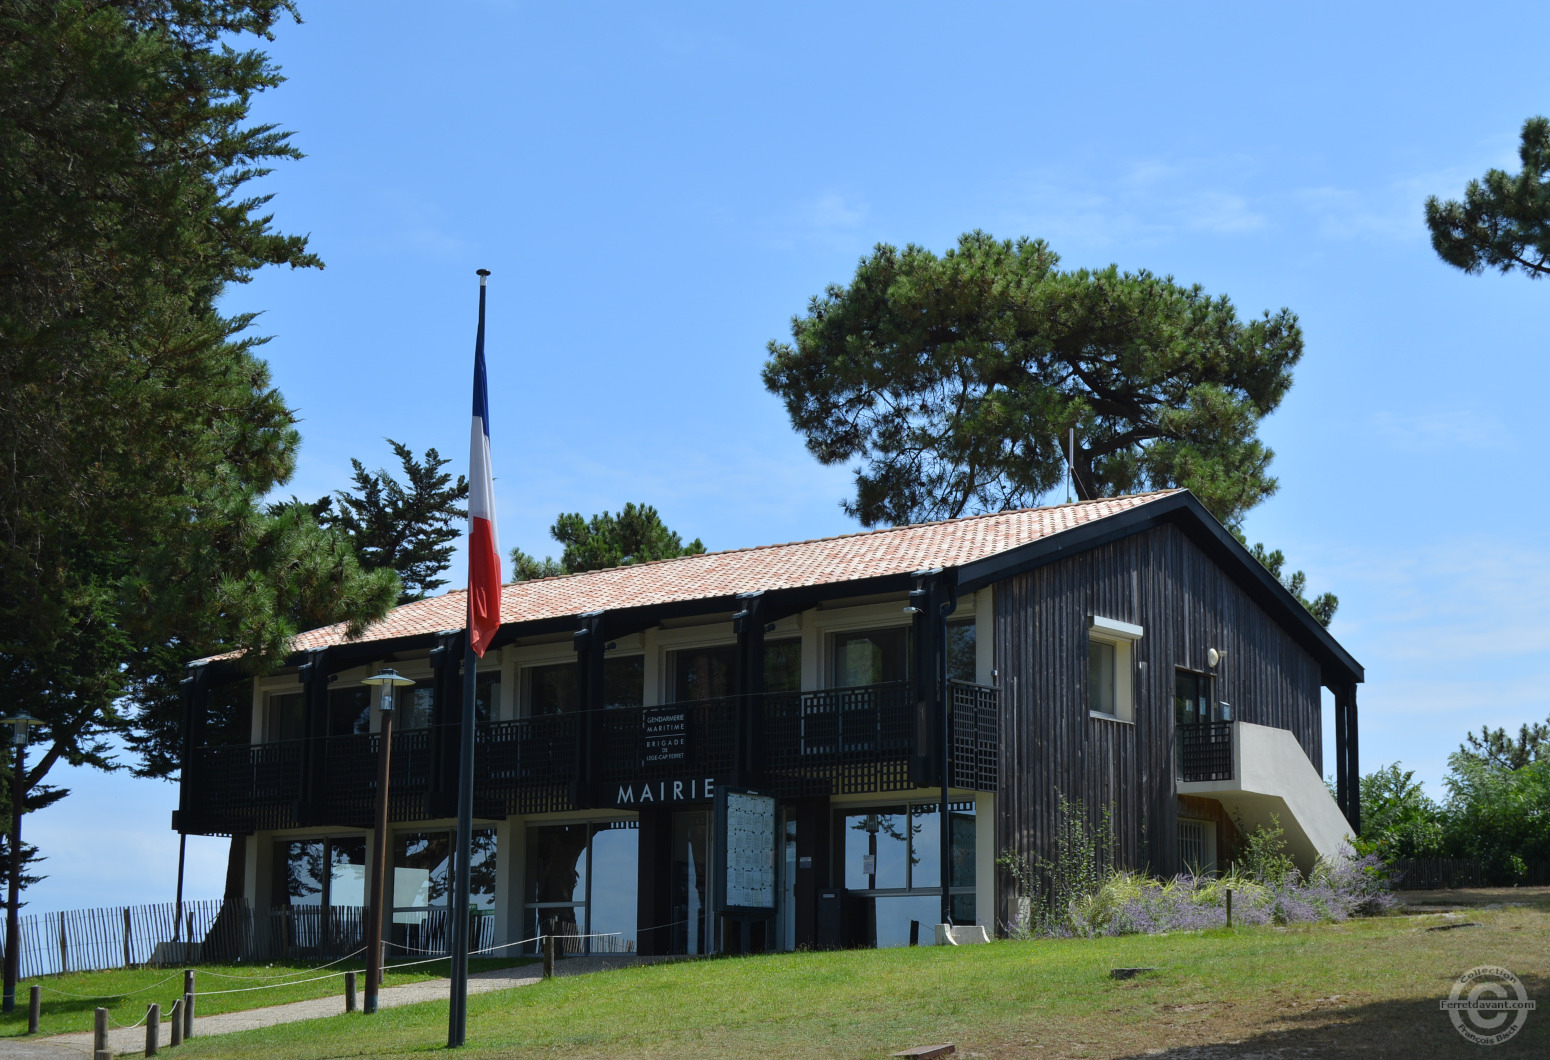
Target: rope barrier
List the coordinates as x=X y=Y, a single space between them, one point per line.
x=109 y=997
x=284 y=975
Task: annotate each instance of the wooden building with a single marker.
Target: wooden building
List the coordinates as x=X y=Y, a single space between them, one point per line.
x=881 y=690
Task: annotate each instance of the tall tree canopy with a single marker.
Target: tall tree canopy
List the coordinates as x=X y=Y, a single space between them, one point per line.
x=953 y=380
x=1504 y=220
x=410 y=527
x=636 y=535
x=138 y=427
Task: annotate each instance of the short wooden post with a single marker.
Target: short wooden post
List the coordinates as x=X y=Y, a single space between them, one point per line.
x=914 y=932
x=34 y=1009
x=188 y=1015
x=549 y=956
x=349 y=991
x=1229 y=907
x=175 y=1017
x=152 y=1028
x=99 y=1037
x=127 y=961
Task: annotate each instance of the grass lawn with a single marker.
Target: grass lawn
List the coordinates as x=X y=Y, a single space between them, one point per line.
x=68 y=1000
x=1365 y=988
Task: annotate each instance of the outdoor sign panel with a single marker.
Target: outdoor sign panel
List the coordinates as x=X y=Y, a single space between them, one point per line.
x=746 y=843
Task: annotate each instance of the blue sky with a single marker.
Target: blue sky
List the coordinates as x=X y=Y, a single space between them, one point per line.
x=658 y=189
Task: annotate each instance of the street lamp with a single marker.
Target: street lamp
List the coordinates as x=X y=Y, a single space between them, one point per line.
x=387 y=682
x=20 y=723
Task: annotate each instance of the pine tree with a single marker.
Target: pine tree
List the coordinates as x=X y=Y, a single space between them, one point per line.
x=138 y=426
x=1504 y=220
x=636 y=535
x=410 y=527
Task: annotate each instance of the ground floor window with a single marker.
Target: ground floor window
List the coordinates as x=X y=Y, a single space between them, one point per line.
x=318 y=892
x=1197 y=846
x=892 y=860
x=581 y=881
x=422 y=864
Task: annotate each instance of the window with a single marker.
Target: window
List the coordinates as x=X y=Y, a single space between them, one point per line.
x=710 y=673
x=421 y=871
x=555 y=689
x=1100 y=678
x=704 y=673
x=1110 y=665
x=962 y=658
x=1197 y=847
x=893 y=857
x=414 y=706
x=349 y=710
x=871 y=658
x=319 y=873
x=581 y=880
x=487 y=695
x=1192 y=698
x=283 y=718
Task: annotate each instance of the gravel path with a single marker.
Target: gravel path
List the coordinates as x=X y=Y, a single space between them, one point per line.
x=132 y=1039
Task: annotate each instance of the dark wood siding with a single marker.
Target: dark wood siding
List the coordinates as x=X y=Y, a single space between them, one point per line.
x=1050 y=745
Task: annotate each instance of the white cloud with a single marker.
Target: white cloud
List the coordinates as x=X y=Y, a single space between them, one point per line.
x=1430 y=430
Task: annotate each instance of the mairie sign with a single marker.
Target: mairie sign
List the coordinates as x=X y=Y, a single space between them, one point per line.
x=657 y=792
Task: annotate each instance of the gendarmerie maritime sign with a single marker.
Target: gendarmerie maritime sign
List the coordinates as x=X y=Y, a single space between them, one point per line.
x=666 y=734
x=657 y=792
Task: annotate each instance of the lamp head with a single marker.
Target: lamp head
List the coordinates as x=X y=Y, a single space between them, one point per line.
x=389 y=681
x=20 y=724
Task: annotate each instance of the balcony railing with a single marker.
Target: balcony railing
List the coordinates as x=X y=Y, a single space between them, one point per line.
x=1205 y=751
x=793 y=744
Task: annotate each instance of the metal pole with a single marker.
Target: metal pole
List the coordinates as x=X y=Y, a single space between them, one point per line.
x=946 y=737
x=457 y=1022
x=177 y=925
x=374 y=912
x=13 y=895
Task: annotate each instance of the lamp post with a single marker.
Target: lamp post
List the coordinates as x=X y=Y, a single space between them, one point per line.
x=387 y=683
x=21 y=723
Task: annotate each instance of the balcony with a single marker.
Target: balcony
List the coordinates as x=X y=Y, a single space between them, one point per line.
x=1262 y=776
x=793 y=744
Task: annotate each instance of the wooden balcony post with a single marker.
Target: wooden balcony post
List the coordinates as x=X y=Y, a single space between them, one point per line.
x=591 y=641
x=1353 y=765
x=314 y=706
x=749 y=625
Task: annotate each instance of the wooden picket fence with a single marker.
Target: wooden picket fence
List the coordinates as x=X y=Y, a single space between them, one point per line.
x=202 y=932
x=1428 y=874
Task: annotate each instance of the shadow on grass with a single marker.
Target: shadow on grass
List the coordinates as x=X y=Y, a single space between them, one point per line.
x=1403 y=1029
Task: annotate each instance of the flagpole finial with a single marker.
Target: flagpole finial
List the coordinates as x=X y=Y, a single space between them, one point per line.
x=484 y=276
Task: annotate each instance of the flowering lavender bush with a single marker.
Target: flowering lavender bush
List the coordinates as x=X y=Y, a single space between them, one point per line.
x=1266 y=889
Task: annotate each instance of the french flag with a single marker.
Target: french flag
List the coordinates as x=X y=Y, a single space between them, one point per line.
x=484 y=558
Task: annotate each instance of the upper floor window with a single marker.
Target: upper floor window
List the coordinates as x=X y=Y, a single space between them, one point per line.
x=555 y=689
x=710 y=673
x=349 y=710
x=283 y=717
x=1110 y=664
x=962 y=657
x=871 y=657
x=1194 y=699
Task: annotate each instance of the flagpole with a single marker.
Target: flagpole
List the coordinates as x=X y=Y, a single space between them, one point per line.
x=457 y=1016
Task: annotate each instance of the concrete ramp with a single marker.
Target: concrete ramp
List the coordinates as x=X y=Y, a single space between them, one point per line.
x=1272 y=777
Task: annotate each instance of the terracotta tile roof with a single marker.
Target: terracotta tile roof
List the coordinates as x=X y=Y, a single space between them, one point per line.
x=826 y=560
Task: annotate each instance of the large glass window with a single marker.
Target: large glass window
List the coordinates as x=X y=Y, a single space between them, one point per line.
x=783 y=666
x=710 y=673
x=414 y=706
x=421 y=876
x=871 y=658
x=349 y=710
x=704 y=673
x=690 y=876
x=554 y=689
x=893 y=857
x=283 y=718
x=487 y=695
x=321 y=883
x=581 y=881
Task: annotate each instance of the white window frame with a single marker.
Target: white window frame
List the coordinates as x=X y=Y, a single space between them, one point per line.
x=1122 y=637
